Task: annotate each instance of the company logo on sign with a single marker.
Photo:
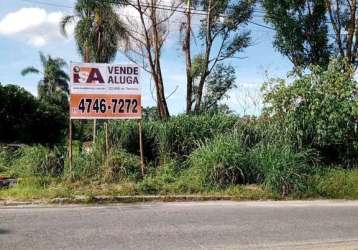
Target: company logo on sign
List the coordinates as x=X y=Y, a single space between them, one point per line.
x=87 y=75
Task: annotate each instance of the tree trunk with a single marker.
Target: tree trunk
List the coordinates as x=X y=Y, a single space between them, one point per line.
x=187 y=52
x=336 y=26
x=199 y=95
x=205 y=73
x=152 y=46
x=351 y=30
x=347 y=47
x=163 y=107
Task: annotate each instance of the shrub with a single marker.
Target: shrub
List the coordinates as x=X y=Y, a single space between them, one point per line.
x=84 y=166
x=320 y=109
x=162 y=180
x=6 y=155
x=121 y=165
x=151 y=185
x=190 y=182
x=97 y=166
x=37 y=161
x=222 y=162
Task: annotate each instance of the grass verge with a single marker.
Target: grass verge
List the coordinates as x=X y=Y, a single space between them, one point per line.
x=45 y=190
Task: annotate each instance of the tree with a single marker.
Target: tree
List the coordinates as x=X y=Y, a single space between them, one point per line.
x=222 y=37
x=146 y=40
x=219 y=83
x=98 y=30
x=53 y=87
x=26 y=119
x=301 y=30
x=343 y=16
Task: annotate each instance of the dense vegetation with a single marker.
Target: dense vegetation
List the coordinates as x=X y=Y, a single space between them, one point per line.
x=25 y=119
x=303 y=145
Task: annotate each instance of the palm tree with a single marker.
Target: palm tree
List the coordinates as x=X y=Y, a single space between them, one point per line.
x=55 y=80
x=98 y=30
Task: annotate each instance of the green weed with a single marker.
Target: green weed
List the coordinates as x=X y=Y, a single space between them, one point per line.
x=36 y=161
x=222 y=162
x=283 y=169
x=337 y=184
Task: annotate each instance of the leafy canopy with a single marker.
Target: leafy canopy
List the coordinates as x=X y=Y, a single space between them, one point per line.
x=53 y=87
x=98 y=30
x=219 y=83
x=320 y=108
x=25 y=119
x=301 y=30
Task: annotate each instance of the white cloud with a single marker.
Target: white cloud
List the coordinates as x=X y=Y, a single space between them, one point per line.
x=38 y=41
x=36 y=26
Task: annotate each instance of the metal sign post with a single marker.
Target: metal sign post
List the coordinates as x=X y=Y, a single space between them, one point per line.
x=141 y=147
x=70 y=144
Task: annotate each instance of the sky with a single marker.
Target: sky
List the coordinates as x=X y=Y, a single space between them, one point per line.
x=30 y=26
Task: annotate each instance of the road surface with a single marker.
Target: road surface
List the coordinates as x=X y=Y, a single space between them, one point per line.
x=205 y=225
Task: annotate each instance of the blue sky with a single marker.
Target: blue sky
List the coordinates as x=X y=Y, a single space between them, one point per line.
x=24 y=32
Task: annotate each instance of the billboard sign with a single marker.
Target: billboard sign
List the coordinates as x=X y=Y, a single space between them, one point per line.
x=105 y=91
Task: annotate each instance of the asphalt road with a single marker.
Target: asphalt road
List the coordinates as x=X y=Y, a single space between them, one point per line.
x=209 y=225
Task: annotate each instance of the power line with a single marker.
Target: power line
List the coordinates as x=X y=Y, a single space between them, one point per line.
x=171 y=6
x=48 y=4
x=262 y=25
x=161 y=7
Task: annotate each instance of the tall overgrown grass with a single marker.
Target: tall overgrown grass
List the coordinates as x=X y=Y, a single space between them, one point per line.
x=336 y=183
x=6 y=155
x=186 y=154
x=223 y=161
x=36 y=161
x=172 y=139
x=282 y=169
